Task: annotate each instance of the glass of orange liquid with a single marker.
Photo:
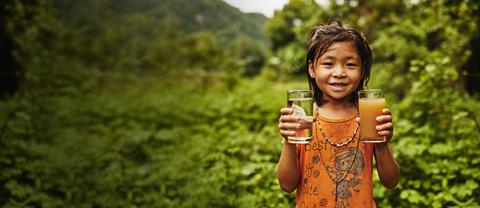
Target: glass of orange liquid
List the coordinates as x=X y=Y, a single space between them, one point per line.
x=371 y=102
x=302 y=103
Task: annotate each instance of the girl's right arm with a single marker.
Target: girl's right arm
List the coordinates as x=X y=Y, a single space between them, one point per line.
x=288 y=168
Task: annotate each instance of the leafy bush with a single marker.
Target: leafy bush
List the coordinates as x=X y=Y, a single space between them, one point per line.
x=145 y=144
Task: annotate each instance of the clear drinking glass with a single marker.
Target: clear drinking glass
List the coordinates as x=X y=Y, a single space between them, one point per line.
x=302 y=103
x=371 y=102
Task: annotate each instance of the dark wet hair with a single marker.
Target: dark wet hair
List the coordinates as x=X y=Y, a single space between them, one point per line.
x=321 y=37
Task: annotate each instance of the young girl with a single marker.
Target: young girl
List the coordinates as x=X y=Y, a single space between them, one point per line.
x=335 y=168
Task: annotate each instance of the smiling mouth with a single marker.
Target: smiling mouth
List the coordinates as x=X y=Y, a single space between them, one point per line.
x=337 y=84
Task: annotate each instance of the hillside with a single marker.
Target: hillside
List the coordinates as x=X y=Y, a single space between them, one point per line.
x=167 y=35
x=190 y=16
x=216 y=16
x=147 y=35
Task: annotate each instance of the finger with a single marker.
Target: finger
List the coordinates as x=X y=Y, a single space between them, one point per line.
x=385 y=126
x=357 y=119
x=289 y=119
x=289 y=126
x=385 y=133
x=384 y=118
x=308 y=119
x=386 y=111
x=286 y=111
x=287 y=133
x=305 y=122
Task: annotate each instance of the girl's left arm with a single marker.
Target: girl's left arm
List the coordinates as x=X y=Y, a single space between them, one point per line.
x=387 y=167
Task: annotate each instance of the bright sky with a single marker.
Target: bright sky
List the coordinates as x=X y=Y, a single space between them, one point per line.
x=267 y=7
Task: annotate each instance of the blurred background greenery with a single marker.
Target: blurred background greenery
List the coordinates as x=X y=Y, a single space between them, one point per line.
x=174 y=103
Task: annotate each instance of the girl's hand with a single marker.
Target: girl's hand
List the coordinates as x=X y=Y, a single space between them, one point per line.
x=385 y=124
x=288 y=124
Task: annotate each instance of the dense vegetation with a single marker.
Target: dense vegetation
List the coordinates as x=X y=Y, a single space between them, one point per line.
x=175 y=103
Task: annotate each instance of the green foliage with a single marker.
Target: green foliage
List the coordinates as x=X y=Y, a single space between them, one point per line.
x=140 y=145
x=70 y=138
x=286 y=32
x=105 y=35
x=437 y=131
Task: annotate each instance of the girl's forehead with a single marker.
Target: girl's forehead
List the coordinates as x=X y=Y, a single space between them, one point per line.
x=341 y=45
x=345 y=48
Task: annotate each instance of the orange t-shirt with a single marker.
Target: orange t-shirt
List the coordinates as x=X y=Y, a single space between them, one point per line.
x=322 y=163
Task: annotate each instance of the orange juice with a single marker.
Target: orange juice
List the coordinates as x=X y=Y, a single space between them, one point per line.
x=370 y=108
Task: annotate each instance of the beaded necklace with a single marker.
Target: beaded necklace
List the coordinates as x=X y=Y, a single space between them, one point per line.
x=328 y=168
x=326 y=138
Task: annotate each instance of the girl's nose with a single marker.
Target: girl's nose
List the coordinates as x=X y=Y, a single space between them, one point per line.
x=339 y=72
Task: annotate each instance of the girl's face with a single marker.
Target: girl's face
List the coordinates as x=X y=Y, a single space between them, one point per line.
x=337 y=72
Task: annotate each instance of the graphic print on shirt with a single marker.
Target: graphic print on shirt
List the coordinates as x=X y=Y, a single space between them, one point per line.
x=323 y=164
x=342 y=159
x=311 y=171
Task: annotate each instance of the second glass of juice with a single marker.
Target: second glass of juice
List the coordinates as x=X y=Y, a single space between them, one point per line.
x=371 y=102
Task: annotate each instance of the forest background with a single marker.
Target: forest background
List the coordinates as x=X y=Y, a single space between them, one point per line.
x=175 y=103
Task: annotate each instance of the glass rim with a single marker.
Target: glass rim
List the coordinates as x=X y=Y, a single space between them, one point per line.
x=371 y=90
x=371 y=93
x=299 y=91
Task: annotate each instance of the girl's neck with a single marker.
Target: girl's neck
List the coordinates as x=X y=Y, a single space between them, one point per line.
x=336 y=110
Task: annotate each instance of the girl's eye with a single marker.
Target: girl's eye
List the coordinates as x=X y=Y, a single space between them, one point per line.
x=351 y=65
x=327 y=64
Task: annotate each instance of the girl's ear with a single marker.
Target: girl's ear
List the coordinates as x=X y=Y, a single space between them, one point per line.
x=311 y=69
